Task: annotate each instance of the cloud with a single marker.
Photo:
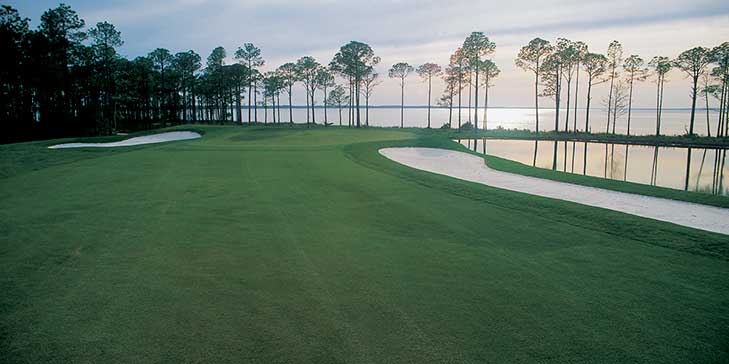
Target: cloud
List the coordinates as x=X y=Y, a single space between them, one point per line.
x=413 y=31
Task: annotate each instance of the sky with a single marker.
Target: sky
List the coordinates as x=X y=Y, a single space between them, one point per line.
x=415 y=32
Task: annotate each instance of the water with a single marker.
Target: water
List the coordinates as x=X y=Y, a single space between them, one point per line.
x=643 y=121
x=706 y=169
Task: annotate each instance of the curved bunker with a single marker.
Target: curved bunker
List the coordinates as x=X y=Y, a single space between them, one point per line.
x=146 y=139
x=472 y=168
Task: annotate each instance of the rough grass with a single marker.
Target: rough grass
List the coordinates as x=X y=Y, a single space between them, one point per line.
x=308 y=246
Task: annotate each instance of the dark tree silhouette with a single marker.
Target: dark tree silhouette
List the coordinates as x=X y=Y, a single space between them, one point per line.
x=552 y=77
x=369 y=82
x=66 y=79
x=581 y=51
x=187 y=65
x=324 y=81
x=162 y=61
x=306 y=70
x=427 y=71
x=106 y=39
x=338 y=97
x=635 y=70
x=530 y=58
x=614 y=56
x=288 y=72
x=355 y=60
x=451 y=78
x=250 y=55
x=400 y=71
x=693 y=62
x=595 y=65
x=720 y=54
x=476 y=46
x=661 y=66
x=570 y=56
x=490 y=71
x=458 y=67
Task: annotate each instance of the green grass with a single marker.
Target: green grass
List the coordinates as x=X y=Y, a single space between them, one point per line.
x=278 y=246
x=505 y=165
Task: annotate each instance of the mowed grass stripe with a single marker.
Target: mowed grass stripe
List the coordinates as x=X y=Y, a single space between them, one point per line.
x=243 y=254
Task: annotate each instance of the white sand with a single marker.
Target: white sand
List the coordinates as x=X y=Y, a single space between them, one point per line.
x=473 y=168
x=147 y=139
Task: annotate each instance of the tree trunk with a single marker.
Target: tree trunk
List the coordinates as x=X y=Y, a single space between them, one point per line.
x=184 y=104
x=693 y=104
x=255 y=102
x=577 y=87
x=708 y=125
x=725 y=122
x=587 y=109
x=250 y=89
x=291 y=108
x=460 y=92
x=722 y=109
x=313 y=115
x=486 y=105
x=470 y=88
x=450 y=108
x=402 y=102
x=475 y=103
x=556 y=106
x=194 y=107
x=615 y=112
x=429 y=87
x=536 y=98
x=356 y=88
x=308 y=120
x=630 y=101
x=688 y=170
x=367 y=109
x=660 y=106
x=326 y=121
x=567 y=116
x=610 y=101
x=658 y=102
x=238 y=104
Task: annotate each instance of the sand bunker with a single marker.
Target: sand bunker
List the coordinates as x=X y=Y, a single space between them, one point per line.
x=473 y=168
x=146 y=139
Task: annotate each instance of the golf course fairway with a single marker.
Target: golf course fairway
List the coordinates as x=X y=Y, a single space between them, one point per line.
x=296 y=245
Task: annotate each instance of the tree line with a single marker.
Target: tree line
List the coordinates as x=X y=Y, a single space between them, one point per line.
x=555 y=66
x=64 y=79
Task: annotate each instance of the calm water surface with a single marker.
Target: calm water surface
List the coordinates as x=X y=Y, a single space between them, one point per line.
x=643 y=121
x=693 y=169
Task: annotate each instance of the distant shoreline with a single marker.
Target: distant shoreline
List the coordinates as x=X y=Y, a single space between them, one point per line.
x=688 y=109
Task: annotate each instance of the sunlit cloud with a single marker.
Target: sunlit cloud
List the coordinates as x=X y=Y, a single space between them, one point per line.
x=412 y=31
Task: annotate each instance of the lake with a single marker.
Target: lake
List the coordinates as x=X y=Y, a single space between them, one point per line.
x=643 y=121
x=693 y=169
